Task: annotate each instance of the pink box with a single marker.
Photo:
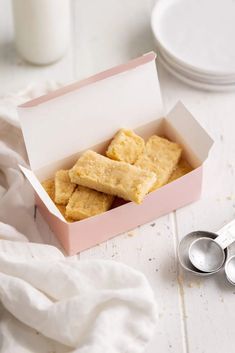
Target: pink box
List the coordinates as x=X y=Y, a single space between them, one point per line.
x=57 y=127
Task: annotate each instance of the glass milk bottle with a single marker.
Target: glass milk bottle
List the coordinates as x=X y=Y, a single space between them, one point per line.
x=42 y=29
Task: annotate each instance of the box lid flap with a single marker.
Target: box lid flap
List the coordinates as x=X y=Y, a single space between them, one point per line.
x=84 y=114
x=41 y=192
x=190 y=130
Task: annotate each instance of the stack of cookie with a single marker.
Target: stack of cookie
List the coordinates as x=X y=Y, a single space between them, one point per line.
x=130 y=170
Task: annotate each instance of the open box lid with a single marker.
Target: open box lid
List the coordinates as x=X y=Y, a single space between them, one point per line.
x=86 y=113
x=193 y=137
x=41 y=192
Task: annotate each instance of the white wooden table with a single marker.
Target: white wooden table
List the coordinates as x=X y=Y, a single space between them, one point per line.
x=195 y=315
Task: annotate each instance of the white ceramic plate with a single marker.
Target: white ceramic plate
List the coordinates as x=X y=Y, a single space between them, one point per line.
x=199 y=34
x=195 y=83
x=215 y=80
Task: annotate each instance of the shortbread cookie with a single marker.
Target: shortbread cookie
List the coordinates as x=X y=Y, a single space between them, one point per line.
x=49 y=186
x=161 y=157
x=63 y=187
x=112 y=177
x=86 y=202
x=126 y=146
x=182 y=168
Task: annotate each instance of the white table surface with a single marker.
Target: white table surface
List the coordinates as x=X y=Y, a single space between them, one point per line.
x=195 y=315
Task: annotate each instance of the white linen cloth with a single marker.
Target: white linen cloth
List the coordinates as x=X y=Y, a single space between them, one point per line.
x=51 y=303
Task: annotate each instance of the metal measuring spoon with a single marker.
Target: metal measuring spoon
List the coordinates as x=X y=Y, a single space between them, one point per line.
x=183 y=251
x=207 y=254
x=230 y=269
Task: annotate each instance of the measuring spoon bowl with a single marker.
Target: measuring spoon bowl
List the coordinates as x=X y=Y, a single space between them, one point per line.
x=183 y=251
x=230 y=269
x=206 y=255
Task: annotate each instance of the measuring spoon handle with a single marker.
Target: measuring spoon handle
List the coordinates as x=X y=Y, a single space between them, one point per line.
x=226 y=235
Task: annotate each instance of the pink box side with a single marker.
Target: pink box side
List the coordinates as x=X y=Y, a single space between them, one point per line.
x=79 y=236
x=59 y=228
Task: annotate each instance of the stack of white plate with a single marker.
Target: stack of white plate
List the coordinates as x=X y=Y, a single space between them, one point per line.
x=196 y=41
